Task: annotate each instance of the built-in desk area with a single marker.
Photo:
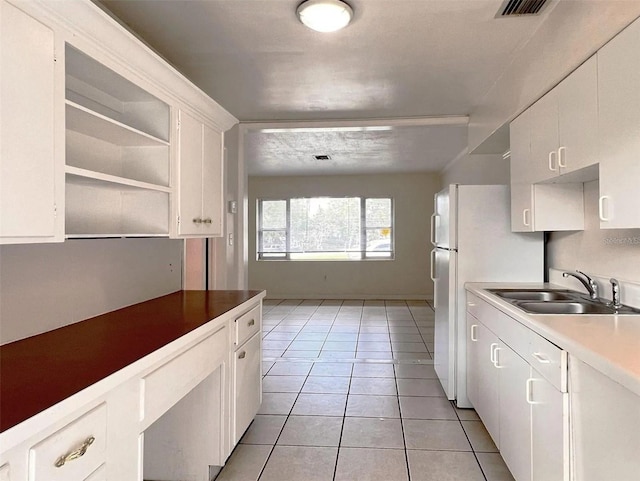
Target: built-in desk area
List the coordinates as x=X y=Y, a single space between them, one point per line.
x=148 y=391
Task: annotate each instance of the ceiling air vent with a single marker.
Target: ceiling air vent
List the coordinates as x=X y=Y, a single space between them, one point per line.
x=512 y=8
x=322 y=157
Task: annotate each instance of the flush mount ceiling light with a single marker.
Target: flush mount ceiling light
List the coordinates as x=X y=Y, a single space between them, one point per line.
x=325 y=15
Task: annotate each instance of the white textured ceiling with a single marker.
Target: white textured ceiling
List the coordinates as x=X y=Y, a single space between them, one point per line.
x=398 y=59
x=423 y=149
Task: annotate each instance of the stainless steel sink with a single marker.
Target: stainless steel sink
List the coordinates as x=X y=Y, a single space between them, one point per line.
x=558 y=301
x=565 y=308
x=534 y=294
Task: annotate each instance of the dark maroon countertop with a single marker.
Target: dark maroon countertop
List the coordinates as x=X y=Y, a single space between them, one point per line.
x=40 y=371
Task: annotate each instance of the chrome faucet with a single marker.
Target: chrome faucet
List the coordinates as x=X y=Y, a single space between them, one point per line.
x=615 y=293
x=587 y=282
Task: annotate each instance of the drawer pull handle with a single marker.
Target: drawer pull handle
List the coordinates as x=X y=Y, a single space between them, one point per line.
x=541 y=358
x=78 y=453
x=242 y=355
x=207 y=221
x=252 y=322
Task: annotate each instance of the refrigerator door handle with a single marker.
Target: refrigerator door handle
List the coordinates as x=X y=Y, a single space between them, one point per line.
x=433 y=265
x=434 y=226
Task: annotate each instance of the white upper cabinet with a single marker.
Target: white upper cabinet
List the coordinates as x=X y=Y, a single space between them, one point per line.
x=30 y=166
x=88 y=137
x=578 y=119
x=564 y=126
x=539 y=206
x=200 y=171
x=619 y=124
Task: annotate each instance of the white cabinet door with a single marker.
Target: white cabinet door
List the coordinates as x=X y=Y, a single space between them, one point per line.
x=619 y=124
x=578 y=118
x=190 y=173
x=488 y=400
x=247 y=385
x=544 y=138
x=550 y=430
x=472 y=359
x=200 y=166
x=515 y=413
x=522 y=208
x=212 y=182
x=28 y=170
x=605 y=425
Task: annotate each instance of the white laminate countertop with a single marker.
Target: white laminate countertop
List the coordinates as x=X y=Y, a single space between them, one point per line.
x=608 y=343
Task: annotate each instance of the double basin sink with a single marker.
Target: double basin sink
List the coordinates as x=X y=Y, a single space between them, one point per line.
x=558 y=301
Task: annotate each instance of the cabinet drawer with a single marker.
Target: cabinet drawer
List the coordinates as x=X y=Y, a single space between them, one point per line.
x=473 y=305
x=247 y=325
x=165 y=386
x=549 y=360
x=74 y=452
x=247 y=385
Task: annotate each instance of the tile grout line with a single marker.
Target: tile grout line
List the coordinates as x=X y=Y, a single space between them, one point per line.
x=469 y=441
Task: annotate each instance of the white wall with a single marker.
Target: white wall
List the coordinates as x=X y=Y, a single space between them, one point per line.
x=477 y=169
x=407 y=276
x=46 y=286
x=604 y=252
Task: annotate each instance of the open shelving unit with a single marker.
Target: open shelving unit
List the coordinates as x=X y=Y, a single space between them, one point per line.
x=117 y=154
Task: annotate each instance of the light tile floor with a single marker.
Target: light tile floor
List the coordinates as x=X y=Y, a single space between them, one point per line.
x=350 y=394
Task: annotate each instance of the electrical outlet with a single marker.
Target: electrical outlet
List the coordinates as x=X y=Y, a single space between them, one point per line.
x=231 y=238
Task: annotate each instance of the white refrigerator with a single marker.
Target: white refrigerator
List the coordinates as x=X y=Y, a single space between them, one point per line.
x=473 y=242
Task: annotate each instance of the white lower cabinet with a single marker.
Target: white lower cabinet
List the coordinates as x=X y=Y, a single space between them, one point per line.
x=247 y=385
x=516 y=381
x=549 y=428
x=605 y=428
x=515 y=412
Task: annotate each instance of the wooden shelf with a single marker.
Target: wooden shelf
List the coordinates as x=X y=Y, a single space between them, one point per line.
x=83 y=120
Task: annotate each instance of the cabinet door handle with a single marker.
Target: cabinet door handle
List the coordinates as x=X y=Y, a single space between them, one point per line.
x=603 y=208
x=526 y=217
x=529 y=390
x=496 y=358
x=242 y=355
x=207 y=221
x=252 y=322
x=473 y=332
x=197 y=220
x=492 y=352
x=562 y=157
x=541 y=359
x=552 y=154
x=75 y=454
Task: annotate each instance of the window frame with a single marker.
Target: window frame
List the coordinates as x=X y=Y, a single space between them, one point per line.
x=364 y=254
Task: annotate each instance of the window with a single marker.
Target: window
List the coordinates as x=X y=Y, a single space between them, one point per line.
x=325 y=228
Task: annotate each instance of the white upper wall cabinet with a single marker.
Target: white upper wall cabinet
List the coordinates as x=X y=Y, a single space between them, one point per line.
x=30 y=179
x=88 y=134
x=199 y=210
x=564 y=126
x=538 y=206
x=619 y=124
